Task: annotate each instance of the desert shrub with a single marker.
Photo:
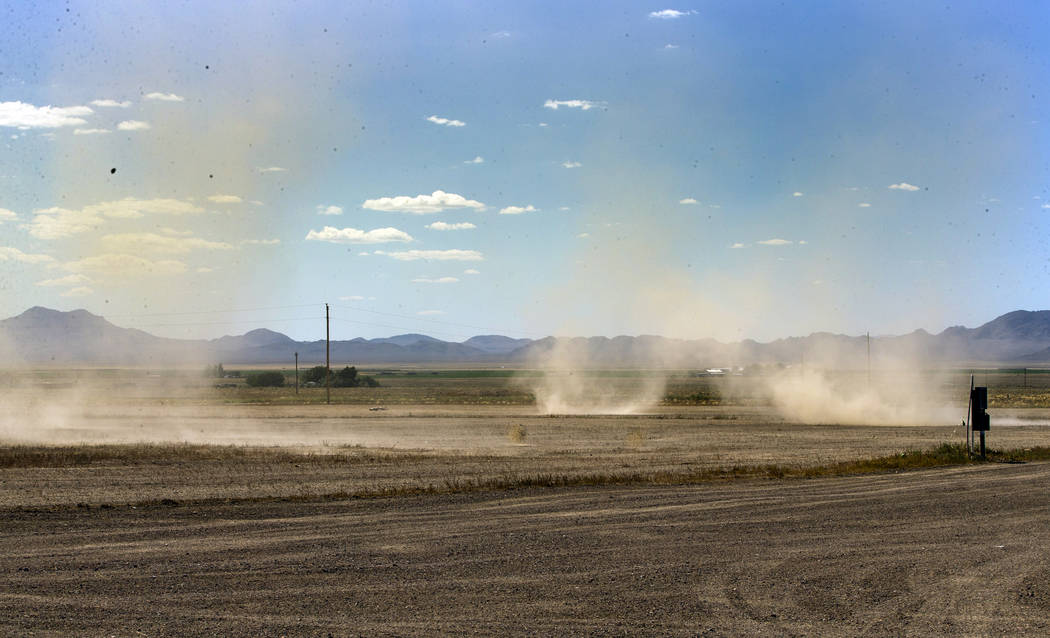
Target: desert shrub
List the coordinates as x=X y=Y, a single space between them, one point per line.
x=272 y=379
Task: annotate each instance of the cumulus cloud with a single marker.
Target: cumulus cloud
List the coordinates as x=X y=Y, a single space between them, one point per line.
x=133 y=125
x=151 y=243
x=91 y=131
x=455 y=226
x=583 y=235
x=571 y=164
x=26 y=116
x=271 y=169
x=164 y=97
x=453 y=254
x=738 y=245
x=583 y=105
x=7 y=215
x=670 y=46
x=774 y=242
x=796 y=194
x=110 y=104
x=329 y=210
x=8 y=253
x=864 y=205
x=79 y=291
x=517 y=210
x=444 y=121
x=124 y=266
x=54 y=223
x=354 y=236
x=260 y=242
x=439 y=280
x=904 y=186
x=225 y=199
x=422 y=204
x=68 y=280
x=688 y=200
x=471 y=271
x=670 y=14
x=477 y=160
x=428 y=313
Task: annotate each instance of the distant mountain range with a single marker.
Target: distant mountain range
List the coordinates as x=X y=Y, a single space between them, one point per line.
x=43 y=336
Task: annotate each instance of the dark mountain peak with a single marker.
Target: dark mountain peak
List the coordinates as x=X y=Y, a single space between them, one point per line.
x=1019 y=324
x=406 y=339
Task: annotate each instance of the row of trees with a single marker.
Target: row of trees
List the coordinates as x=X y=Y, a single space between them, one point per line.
x=345 y=378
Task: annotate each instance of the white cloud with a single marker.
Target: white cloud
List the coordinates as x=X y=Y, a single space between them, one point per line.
x=352 y=298
x=133 y=125
x=583 y=235
x=802 y=242
x=26 y=116
x=864 y=205
x=124 y=266
x=796 y=194
x=1045 y=206
x=329 y=210
x=471 y=271
x=738 y=245
x=79 y=291
x=205 y=269
x=454 y=254
x=225 y=199
x=91 y=131
x=271 y=169
x=422 y=204
x=111 y=104
x=152 y=243
x=260 y=242
x=571 y=164
x=7 y=215
x=456 y=226
x=583 y=105
x=68 y=280
x=427 y=313
x=517 y=210
x=543 y=125
x=439 y=280
x=177 y=233
x=904 y=186
x=164 y=97
x=354 y=236
x=774 y=242
x=444 y=121
x=670 y=14
x=54 y=223
x=670 y=46
x=8 y=253
x=477 y=160
x=688 y=200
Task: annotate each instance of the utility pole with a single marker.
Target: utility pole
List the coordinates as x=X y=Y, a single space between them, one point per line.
x=297 y=373
x=327 y=359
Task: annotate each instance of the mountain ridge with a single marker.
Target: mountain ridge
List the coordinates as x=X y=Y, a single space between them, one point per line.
x=44 y=336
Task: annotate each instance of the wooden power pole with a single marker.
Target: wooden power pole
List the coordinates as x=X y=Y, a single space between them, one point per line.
x=327 y=359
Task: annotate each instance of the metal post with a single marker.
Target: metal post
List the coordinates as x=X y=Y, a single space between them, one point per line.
x=982 y=444
x=327 y=359
x=297 y=373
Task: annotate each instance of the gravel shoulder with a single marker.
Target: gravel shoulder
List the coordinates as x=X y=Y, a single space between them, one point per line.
x=958 y=551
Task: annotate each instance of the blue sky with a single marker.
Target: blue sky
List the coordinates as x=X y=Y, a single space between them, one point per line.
x=732 y=170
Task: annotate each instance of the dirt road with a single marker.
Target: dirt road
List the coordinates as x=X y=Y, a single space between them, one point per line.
x=943 y=552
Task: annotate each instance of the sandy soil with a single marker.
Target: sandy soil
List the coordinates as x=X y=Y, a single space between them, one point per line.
x=945 y=552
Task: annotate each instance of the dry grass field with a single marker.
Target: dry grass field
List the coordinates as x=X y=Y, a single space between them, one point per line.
x=160 y=504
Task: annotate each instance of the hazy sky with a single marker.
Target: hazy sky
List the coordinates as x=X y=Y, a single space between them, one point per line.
x=724 y=169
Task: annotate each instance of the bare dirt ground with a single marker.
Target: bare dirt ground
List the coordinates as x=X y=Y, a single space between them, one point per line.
x=945 y=552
